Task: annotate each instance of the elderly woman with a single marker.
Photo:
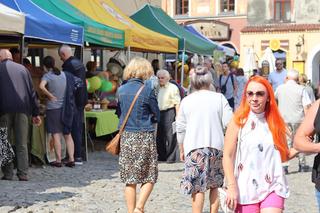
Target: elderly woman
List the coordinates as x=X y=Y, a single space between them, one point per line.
x=201 y=119
x=138 y=155
x=256 y=181
x=168 y=101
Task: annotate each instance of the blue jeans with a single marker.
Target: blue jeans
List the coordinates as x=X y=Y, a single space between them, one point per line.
x=317 y=193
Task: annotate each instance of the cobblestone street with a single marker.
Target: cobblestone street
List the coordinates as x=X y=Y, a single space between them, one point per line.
x=95 y=187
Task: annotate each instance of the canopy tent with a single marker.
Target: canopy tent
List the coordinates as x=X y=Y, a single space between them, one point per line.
x=137 y=37
x=44 y=26
x=228 y=51
x=156 y=19
x=94 y=32
x=11 y=20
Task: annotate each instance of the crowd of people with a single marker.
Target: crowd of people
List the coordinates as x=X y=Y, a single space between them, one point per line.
x=228 y=130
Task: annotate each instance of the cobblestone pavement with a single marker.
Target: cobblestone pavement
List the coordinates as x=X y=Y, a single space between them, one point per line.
x=95 y=188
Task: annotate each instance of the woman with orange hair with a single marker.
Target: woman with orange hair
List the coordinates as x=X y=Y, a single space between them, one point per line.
x=255 y=179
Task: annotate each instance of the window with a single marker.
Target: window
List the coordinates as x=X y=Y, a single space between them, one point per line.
x=182 y=7
x=226 y=6
x=97 y=56
x=282 y=10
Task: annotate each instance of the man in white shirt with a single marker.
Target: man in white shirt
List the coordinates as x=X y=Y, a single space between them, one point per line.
x=293 y=101
x=278 y=77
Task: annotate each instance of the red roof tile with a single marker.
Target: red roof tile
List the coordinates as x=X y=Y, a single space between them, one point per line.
x=280 y=27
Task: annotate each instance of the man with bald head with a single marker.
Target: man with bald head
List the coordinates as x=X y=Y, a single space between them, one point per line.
x=293 y=102
x=75 y=67
x=18 y=101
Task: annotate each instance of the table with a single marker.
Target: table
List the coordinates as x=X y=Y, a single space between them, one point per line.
x=107 y=121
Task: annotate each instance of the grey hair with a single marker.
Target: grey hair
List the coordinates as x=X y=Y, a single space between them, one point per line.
x=163 y=72
x=65 y=49
x=293 y=74
x=201 y=78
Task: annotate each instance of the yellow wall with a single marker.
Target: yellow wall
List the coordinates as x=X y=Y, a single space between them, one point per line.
x=311 y=39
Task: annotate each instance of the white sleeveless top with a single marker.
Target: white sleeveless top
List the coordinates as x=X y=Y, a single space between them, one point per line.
x=260 y=171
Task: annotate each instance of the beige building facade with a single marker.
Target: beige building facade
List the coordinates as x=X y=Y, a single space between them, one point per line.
x=290 y=28
x=219 y=20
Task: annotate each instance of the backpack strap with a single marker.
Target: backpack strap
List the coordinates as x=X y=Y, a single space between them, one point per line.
x=232 y=80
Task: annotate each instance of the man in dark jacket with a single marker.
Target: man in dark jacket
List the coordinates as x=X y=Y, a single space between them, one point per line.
x=18 y=101
x=75 y=67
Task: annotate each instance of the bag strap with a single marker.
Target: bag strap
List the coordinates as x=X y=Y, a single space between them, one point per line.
x=130 y=109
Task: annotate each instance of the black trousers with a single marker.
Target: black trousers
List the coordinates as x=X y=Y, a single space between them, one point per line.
x=167 y=146
x=77 y=131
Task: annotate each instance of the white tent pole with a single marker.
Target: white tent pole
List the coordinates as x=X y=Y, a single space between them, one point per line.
x=129 y=53
x=182 y=61
x=176 y=68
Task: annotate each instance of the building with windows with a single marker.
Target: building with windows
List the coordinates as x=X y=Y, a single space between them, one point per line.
x=290 y=28
x=219 y=20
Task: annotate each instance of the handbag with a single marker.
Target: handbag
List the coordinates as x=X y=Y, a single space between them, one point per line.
x=6 y=151
x=222 y=190
x=113 y=147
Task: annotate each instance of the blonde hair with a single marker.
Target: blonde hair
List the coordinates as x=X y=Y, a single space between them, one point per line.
x=138 y=68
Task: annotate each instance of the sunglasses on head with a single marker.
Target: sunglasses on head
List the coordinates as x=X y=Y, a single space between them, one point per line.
x=250 y=94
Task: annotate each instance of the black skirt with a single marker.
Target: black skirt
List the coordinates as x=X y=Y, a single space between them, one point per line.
x=54 y=121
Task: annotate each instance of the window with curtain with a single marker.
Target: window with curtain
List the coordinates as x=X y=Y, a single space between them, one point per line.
x=282 y=10
x=182 y=7
x=227 y=6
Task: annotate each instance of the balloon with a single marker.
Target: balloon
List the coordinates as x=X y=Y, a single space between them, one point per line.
x=88 y=85
x=236 y=58
x=185 y=57
x=106 y=86
x=91 y=90
x=234 y=64
x=95 y=83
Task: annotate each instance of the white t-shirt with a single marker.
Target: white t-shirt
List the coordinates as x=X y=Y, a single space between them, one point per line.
x=261 y=170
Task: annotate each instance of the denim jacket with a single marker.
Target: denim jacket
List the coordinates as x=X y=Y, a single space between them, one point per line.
x=145 y=111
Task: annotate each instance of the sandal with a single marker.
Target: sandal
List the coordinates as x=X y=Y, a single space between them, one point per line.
x=138 y=210
x=70 y=164
x=56 y=164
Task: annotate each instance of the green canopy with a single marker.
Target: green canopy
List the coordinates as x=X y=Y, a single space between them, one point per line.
x=157 y=20
x=94 y=32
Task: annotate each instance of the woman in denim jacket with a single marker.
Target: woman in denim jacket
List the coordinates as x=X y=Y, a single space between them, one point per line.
x=138 y=155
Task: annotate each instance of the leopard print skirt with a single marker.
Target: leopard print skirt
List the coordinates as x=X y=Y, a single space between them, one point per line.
x=138 y=158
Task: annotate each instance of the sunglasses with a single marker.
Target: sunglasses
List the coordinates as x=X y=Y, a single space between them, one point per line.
x=258 y=94
x=278 y=63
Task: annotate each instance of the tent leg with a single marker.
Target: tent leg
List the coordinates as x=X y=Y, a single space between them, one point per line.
x=129 y=53
x=21 y=49
x=176 y=68
x=182 y=68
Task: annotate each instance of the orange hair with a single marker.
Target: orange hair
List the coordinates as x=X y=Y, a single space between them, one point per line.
x=275 y=122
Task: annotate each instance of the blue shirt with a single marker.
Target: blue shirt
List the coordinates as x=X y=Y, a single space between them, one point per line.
x=277 y=78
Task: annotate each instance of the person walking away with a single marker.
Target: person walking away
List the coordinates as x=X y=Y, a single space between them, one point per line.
x=208 y=63
x=259 y=131
x=227 y=85
x=168 y=101
x=138 y=150
x=293 y=102
x=303 y=142
x=18 y=101
x=200 y=122
x=278 y=76
x=75 y=67
x=241 y=82
x=303 y=80
x=56 y=82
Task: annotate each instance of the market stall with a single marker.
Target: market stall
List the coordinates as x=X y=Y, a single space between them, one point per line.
x=137 y=37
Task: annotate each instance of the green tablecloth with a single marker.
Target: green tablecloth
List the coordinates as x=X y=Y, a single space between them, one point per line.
x=107 y=121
